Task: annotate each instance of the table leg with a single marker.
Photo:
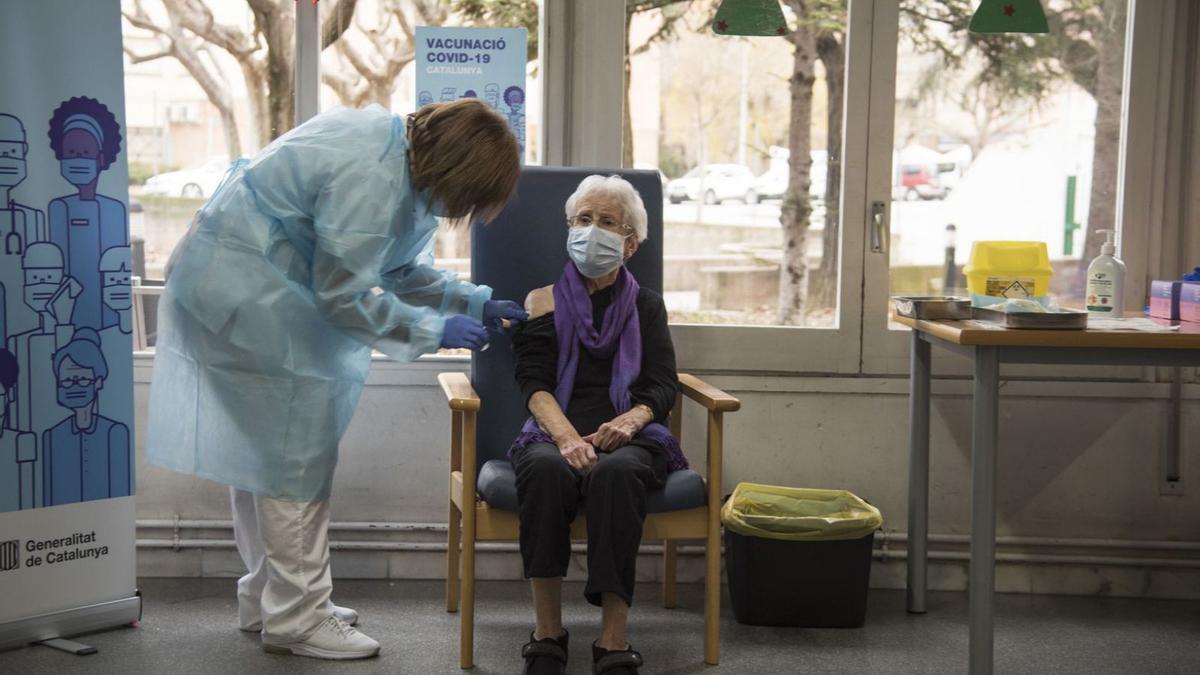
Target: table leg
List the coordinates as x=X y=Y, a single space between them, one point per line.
x=982 y=582
x=918 y=473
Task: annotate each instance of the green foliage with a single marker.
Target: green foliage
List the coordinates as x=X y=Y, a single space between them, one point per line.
x=1015 y=66
x=502 y=14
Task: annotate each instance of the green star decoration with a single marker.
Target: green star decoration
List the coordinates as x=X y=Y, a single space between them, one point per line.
x=1009 y=16
x=750 y=17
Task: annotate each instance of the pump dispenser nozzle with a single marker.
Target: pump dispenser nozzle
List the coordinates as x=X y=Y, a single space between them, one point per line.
x=1108 y=247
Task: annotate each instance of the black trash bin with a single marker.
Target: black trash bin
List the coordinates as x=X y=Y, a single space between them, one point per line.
x=798 y=557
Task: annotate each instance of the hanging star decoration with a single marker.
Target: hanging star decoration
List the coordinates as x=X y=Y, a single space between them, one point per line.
x=1009 y=16
x=750 y=17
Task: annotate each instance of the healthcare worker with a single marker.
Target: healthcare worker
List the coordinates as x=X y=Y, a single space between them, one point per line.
x=86 y=140
x=302 y=262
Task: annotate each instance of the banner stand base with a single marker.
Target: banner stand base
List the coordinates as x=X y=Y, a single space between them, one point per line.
x=21 y=632
x=68 y=646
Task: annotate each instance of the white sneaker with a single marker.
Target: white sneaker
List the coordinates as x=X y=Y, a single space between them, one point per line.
x=334 y=639
x=344 y=613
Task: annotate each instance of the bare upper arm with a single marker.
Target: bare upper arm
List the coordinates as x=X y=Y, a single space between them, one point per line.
x=540 y=301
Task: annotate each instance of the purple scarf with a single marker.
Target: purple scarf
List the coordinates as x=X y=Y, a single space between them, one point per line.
x=621 y=338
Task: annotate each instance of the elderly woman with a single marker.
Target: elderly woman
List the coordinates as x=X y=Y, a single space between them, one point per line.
x=597 y=368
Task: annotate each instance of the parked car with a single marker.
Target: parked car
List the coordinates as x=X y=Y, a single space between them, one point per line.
x=195 y=182
x=919 y=181
x=714 y=183
x=650 y=167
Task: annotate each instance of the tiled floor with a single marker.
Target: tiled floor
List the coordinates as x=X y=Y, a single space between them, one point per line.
x=188 y=627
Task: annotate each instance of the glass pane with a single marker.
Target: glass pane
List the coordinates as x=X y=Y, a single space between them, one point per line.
x=1004 y=137
x=194 y=101
x=723 y=120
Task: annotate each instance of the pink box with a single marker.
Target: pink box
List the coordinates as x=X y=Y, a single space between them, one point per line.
x=1189 y=301
x=1164 y=299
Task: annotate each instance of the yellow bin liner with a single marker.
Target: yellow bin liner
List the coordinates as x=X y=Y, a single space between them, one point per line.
x=798 y=514
x=1008 y=269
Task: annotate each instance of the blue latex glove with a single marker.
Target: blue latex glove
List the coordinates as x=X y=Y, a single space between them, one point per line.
x=496 y=311
x=463 y=332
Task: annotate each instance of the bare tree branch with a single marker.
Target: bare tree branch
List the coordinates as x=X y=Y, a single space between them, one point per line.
x=338 y=22
x=136 y=58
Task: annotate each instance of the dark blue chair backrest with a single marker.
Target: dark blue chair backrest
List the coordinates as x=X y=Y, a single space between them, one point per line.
x=526 y=248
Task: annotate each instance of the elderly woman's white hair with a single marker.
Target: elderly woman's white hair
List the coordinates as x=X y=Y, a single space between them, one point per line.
x=632 y=208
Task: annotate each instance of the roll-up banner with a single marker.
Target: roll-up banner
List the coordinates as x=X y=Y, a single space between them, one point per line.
x=66 y=449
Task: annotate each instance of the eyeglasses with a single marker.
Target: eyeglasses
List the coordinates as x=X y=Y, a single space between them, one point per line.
x=76 y=381
x=605 y=222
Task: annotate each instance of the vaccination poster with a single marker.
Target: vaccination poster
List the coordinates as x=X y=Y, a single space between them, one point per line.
x=66 y=359
x=483 y=63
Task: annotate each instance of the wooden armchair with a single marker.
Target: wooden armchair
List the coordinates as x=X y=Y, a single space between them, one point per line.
x=473 y=519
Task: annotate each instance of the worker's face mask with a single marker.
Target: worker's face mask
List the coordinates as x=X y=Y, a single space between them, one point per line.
x=595 y=251
x=426 y=203
x=80 y=170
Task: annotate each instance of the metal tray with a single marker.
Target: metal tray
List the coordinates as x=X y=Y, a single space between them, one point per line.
x=1034 y=320
x=933 y=307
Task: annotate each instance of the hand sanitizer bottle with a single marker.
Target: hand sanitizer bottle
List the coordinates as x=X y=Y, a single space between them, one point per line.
x=1106 y=281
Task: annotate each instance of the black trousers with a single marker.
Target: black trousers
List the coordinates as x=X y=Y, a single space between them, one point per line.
x=612 y=495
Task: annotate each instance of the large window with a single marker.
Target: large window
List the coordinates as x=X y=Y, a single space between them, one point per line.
x=208 y=81
x=749 y=147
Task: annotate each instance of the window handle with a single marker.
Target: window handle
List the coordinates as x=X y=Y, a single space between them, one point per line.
x=879 y=234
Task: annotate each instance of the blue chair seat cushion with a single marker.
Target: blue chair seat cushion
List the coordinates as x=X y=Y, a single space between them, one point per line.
x=684 y=489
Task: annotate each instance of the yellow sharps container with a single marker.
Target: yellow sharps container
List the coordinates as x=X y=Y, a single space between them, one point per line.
x=1000 y=270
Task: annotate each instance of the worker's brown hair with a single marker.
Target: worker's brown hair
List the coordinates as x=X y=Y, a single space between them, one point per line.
x=466 y=155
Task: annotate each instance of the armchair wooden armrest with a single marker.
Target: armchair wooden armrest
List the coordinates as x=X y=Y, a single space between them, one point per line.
x=459 y=393
x=707 y=395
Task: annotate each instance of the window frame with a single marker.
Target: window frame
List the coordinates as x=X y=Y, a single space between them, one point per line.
x=1145 y=101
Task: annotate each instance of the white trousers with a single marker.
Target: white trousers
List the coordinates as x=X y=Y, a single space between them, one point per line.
x=285 y=547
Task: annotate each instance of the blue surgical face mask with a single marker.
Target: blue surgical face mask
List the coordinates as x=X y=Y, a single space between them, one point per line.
x=595 y=251
x=79 y=170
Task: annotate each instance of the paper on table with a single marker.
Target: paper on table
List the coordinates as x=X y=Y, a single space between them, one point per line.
x=1137 y=324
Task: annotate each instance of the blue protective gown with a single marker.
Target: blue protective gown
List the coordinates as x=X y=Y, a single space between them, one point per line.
x=303 y=261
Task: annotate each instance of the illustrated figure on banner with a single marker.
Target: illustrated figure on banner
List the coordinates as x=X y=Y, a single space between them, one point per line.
x=86 y=455
x=20 y=225
x=491 y=94
x=116 y=340
x=18 y=449
x=86 y=140
x=470 y=93
x=449 y=94
x=52 y=296
x=424 y=99
x=514 y=98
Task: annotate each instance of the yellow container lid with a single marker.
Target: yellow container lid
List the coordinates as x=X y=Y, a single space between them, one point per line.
x=1009 y=257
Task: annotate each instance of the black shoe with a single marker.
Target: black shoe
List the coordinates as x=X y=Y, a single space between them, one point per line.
x=547 y=656
x=623 y=662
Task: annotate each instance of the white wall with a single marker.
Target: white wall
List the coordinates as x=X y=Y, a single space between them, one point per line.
x=1077 y=461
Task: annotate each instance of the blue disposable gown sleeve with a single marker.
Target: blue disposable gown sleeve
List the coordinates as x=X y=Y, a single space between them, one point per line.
x=354 y=241
x=424 y=286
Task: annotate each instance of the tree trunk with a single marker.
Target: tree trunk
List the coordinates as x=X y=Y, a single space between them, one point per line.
x=256 y=96
x=796 y=211
x=626 y=112
x=1102 y=210
x=832 y=53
